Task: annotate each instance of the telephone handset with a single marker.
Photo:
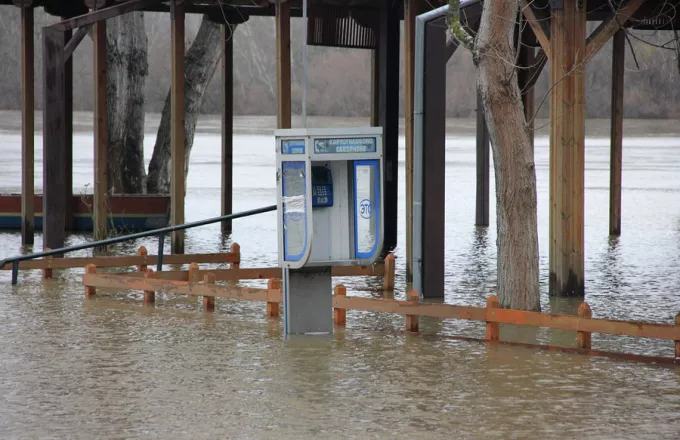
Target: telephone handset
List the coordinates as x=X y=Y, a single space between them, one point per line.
x=322 y=187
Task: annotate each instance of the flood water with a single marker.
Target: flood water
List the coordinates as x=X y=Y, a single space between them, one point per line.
x=111 y=368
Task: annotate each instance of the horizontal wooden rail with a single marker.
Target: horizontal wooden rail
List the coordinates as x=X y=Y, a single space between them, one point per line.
x=125 y=260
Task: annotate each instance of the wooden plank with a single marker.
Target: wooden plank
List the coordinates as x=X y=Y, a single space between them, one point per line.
x=124 y=261
x=227 y=124
x=609 y=27
x=534 y=73
x=443 y=311
x=535 y=24
x=527 y=59
x=283 y=64
x=616 y=155
x=27 y=126
x=54 y=132
x=567 y=147
x=100 y=211
x=74 y=41
x=483 y=164
x=177 y=110
x=181 y=288
x=575 y=323
x=104 y=14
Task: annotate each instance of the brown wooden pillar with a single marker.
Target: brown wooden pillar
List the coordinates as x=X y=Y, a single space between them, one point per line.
x=53 y=139
x=177 y=110
x=618 y=59
x=283 y=64
x=227 y=123
x=567 y=142
x=27 y=127
x=527 y=59
x=411 y=10
x=68 y=136
x=100 y=211
x=483 y=165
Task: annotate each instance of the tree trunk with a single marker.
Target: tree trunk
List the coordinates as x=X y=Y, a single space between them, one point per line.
x=200 y=63
x=494 y=56
x=127 y=72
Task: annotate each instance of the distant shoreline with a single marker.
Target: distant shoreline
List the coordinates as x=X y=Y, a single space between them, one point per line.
x=10 y=120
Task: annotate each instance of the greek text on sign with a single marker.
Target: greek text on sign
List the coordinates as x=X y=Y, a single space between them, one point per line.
x=345 y=145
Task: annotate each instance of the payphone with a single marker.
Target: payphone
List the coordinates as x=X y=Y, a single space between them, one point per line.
x=330 y=202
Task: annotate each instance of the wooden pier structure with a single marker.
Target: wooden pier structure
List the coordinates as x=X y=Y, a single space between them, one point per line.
x=555 y=35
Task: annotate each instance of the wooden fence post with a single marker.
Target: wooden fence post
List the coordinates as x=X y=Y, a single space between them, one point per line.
x=583 y=339
x=236 y=250
x=388 y=276
x=273 y=307
x=493 y=329
x=47 y=273
x=142 y=252
x=413 y=321
x=677 y=341
x=340 y=315
x=90 y=291
x=209 y=301
x=193 y=273
x=149 y=295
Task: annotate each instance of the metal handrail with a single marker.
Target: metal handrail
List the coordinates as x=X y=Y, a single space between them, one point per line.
x=161 y=233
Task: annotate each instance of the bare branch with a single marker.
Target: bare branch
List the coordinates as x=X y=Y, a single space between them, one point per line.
x=456 y=27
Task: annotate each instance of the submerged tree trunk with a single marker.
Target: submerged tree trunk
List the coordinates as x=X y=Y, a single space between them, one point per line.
x=200 y=63
x=516 y=217
x=127 y=72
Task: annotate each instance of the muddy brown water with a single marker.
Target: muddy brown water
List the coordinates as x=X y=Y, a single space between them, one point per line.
x=110 y=368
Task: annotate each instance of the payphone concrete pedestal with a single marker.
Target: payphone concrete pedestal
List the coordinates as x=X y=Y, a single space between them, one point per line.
x=330 y=203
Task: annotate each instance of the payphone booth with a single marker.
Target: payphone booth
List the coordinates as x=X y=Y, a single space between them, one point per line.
x=330 y=213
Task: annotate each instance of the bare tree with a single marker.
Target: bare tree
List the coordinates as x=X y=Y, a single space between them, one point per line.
x=494 y=56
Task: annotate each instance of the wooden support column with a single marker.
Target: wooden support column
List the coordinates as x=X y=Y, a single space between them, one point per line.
x=434 y=160
x=54 y=133
x=482 y=199
x=227 y=123
x=68 y=138
x=411 y=9
x=177 y=111
x=100 y=211
x=389 y=114
x=567 y=142
x=618 y=59
x=283 y=64
x=27 y=127
x=527 y=62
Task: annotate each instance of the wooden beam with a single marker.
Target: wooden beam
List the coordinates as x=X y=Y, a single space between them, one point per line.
x=53 y=139
x=177 y=110
x=535 y=69
x=104 y=14
x=618 y=58
x=609 y=27
x=411 y=9
x=75 y=40
x=483 y=164
x=27 y=127
x=526 y=62
x=567 y=145
x=283 y=64
x=227 y=123
x=100 y=211
x=541 y=36
x=68 y=136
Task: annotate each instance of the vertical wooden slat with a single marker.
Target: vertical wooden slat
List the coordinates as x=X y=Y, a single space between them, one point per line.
x=483 y=163
x=584 y=339
x=27 y=127
x=527 y=58
x=53 y=139
x=283 y=64
x=68 y=137
x=616 y=158
x=493 y=329
x=100 y=212
x=227 y=123
x=177 y=110
x=567 y=145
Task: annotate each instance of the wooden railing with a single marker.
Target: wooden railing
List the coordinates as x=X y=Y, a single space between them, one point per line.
x=492 y=315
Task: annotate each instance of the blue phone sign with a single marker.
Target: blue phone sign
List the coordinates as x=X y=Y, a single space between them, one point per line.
x=365 y=209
